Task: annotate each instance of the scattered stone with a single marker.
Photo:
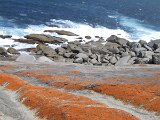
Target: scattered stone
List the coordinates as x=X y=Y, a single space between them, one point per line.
x=88 y=37
x=83 y=56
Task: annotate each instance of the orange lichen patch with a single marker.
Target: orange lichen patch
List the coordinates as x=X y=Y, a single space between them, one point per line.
x=5 y=67
x=141 y=95
x=75 y=72
x=52 y=104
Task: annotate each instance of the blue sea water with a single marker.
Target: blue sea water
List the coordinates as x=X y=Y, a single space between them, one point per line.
x=138 y=19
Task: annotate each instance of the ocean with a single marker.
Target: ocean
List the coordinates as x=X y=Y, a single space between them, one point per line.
x=131 y=19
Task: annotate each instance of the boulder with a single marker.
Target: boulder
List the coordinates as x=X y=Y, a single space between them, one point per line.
x=147 y=47
x=154 y=42
x=112 y=47
x=26 y=58
x=142 y=42
x=3 y=51
x=74 y=48
x=78 y=60
x=142 y=61
x=115 y=39
x=68 y=55
x=62 y=32
x=94 y=61
x=12 y=51
x=113 y=60
x=123 y=61
x=60 y=50
x=135 y=45
x=83 y=56
x=46 y=38
x=47 y=51
x=156 y=58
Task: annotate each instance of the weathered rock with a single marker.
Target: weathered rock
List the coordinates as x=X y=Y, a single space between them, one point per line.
x=83 y=56
x=58 y=58
x=78 y=60
x=3 y=51
x=148 y=54
x=132 y=60
x=44 y=59
x=113 y=60
x=47 y=51
x=139 y=50
x=93 y=56
x=115 y=39
x=157 y=50
x=156 y=58
x=46 y=38
x=12 y=51
x=26 y=58
x=123 y=61
x=62 y=32
x=5 y=36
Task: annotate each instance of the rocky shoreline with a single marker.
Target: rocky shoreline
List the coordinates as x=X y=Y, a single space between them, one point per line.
x=113 y=51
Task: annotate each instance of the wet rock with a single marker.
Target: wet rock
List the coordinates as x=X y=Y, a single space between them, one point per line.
x=115 y=39
x=123 y=61
x=45 y=38
x=5 y=36
x=62 y=32
x=12 y=51
x=156 y=58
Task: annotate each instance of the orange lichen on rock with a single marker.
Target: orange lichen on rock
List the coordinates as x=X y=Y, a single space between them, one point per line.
x=146 y=95
x=52 y=104
x=75 y=72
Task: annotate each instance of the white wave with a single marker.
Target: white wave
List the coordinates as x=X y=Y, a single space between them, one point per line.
x=140 y=30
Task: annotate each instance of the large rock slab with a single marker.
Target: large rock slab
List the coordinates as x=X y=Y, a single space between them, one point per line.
x=117 y=40
x=46 y=38
x=62 y=32
x=26 y=58
x=44 y=59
